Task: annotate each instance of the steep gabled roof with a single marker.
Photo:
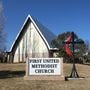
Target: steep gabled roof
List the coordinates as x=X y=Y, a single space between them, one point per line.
x=46 y=34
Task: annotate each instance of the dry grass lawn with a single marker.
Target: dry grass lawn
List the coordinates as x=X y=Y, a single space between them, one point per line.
x=11 y=78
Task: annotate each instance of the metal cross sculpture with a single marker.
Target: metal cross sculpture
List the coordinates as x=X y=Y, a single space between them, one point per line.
x=74 y=73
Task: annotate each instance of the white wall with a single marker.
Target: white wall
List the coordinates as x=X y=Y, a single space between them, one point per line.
x=31 y=45
x=16 y=55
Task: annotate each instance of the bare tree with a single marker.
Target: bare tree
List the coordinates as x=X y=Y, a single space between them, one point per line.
x=2 y=32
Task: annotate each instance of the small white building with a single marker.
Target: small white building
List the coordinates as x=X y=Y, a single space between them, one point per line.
x=33 y=40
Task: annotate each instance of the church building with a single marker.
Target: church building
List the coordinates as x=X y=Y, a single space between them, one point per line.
x=33 y=41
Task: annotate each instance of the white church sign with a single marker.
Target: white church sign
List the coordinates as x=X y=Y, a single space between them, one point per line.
x=44 y=69
x=44 y=66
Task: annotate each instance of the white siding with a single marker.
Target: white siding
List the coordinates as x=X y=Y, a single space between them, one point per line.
x=24 y=48
x=39 y=47
x=21 y=47
x=16 y=56
x=31 y=45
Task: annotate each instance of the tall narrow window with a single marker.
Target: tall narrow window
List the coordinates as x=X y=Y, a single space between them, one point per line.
x=26 y=46
x=23 y=50
x=19 y=53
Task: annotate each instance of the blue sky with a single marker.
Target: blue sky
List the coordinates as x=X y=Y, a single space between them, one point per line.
x=57 y=15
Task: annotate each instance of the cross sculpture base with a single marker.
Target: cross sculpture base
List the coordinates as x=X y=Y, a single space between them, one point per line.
x=74 y=73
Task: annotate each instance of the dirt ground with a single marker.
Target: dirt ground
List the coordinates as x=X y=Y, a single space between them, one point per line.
x=12 y=78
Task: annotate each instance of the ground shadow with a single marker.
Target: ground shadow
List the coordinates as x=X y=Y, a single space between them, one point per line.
x=87 y=64
x=10 y=74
